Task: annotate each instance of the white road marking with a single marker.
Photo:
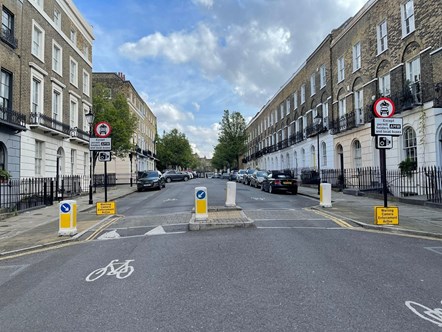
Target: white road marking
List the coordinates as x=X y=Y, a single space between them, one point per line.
x=299 y=227
x=115 y=268
x=156 y=231
x=109 y=235
x=437 y=250
x=18 y=268
x=432 y=315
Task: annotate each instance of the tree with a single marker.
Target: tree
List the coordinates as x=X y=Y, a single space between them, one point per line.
x=174 y=151
x=116 y=112
x=232 y=139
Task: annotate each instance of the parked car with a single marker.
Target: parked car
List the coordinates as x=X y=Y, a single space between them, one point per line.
x=280 y=181
x=247 y=175
x=257 y=178
x=240 y=174
x=151 y=180
x=170 y=176
x=225 y=175
x=217 y=176
x=233 y=175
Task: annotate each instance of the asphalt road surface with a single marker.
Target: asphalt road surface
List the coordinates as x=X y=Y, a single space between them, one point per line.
x=296 y=270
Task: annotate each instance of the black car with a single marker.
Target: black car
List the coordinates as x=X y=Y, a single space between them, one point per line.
x=247 y=175
x=280 y=181
x=151 y=180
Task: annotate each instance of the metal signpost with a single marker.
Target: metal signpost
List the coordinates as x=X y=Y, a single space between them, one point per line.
x=102 y=143
x=383 y=128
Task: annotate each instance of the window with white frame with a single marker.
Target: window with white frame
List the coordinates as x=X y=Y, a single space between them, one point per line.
x=38 y=159
x=39 y=3
x=407 y=15
x=73 y=161
x=323 y=154
x=342 y=107
x=302 y=94
x=357 y=153
x=73 y=72
x=359 y=105
x=341 y=69
x=382 y=37
x=413 y=70
x=6 y=90
x=57 y=104
x=287 y=106
x=86 y=83
x=281 y=111
x=73 y=113
x=410 y=146
x=384 y=85
x=295 y=100
x=57 y=58
x=322 y=76
x=86 y=51
x=38 y=36
x=73 y=36
x=36 y=95
x=312 y=84
x=325 y=111
x=357 y=56
x=57 y=18
x=86 y=109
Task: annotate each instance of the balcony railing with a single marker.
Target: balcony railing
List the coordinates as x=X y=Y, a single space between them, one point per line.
x=8 y=37
x=79 y=134
x=12 y=118
x=50 y=124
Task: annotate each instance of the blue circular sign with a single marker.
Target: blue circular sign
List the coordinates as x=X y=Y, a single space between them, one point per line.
x=65 y=208
x=200 y=194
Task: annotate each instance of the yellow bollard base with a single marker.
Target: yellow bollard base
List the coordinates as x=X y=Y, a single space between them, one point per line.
x=67 y=232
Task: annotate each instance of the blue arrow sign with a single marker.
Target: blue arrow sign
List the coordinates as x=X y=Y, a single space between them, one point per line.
x=200 y=194
x=65 y=208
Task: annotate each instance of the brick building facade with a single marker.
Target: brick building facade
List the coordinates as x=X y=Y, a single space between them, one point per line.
x=389 y=48
x=143 y=157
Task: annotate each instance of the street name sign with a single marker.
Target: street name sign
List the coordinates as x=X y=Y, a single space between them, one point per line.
x=386 y=126
x=100 y=144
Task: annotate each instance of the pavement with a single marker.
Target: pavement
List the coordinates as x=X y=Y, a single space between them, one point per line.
x=39 y=228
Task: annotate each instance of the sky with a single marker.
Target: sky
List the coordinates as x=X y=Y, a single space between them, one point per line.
x=192 y=59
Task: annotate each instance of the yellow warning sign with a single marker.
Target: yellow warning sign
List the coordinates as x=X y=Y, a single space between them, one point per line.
x=386 y=215
x=106 y=208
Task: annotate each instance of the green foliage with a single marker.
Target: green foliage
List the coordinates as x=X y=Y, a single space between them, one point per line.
x=231 y=141
x=117 y=113
x=174 y=150
x=4 y=174
x=407 y=166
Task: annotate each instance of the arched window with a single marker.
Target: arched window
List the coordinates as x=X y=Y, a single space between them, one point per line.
x=302 y=158
x=410 y=149
x=357 y=154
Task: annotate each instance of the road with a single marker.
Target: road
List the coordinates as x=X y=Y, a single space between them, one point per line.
x=296 y=270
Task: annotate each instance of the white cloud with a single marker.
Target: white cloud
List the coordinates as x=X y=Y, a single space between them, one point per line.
x=169 y=113
x=205 y=3
x=197 y=106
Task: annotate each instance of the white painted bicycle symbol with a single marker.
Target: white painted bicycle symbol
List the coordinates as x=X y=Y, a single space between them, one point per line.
x=120 y=270
x=432 y=315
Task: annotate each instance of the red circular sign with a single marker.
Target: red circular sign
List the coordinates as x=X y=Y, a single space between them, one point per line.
x=384 y=108
x=102 y=129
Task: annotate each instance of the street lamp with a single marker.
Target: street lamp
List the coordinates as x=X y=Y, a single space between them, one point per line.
x=318 y=123
x=90 y=120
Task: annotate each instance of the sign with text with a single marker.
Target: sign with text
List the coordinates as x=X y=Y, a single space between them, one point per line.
x=106 y=208
x=100 y=144
x=386 y=215
x=386 y=126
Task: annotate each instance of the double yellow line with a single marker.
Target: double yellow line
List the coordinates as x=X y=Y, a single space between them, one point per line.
x=339 y=222
x=102 y=227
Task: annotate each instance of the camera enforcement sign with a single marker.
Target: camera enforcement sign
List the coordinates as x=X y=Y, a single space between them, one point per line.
x=104 y=156
x=384 y=142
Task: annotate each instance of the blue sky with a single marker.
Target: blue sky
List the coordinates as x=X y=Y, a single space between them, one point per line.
x=192 y=59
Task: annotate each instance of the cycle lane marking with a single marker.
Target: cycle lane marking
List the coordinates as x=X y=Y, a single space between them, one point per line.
x=432 y=315
x=120 y=270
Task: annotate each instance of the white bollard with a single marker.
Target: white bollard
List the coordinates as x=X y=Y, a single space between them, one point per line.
x=325 y=195
x=231 y=194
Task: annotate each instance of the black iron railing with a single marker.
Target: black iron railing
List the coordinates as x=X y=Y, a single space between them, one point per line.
x=49 y=122
x=12 y=117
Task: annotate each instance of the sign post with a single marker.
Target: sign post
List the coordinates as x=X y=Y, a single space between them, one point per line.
x=103 y=142
x=383 y=127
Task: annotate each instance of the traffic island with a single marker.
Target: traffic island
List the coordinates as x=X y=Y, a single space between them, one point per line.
x=221 y=217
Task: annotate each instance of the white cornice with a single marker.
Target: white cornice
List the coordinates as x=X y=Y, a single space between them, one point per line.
x=54 y=80
x=38 y=68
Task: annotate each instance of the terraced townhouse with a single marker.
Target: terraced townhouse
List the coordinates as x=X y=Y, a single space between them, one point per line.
x=143 y=157
x=46 y=64
x=321 y=117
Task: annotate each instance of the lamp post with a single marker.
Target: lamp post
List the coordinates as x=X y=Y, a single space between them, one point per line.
x=318 y=123
x=90 y=120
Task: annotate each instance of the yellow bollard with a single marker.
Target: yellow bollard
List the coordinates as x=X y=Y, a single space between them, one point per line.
x=67 y=218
